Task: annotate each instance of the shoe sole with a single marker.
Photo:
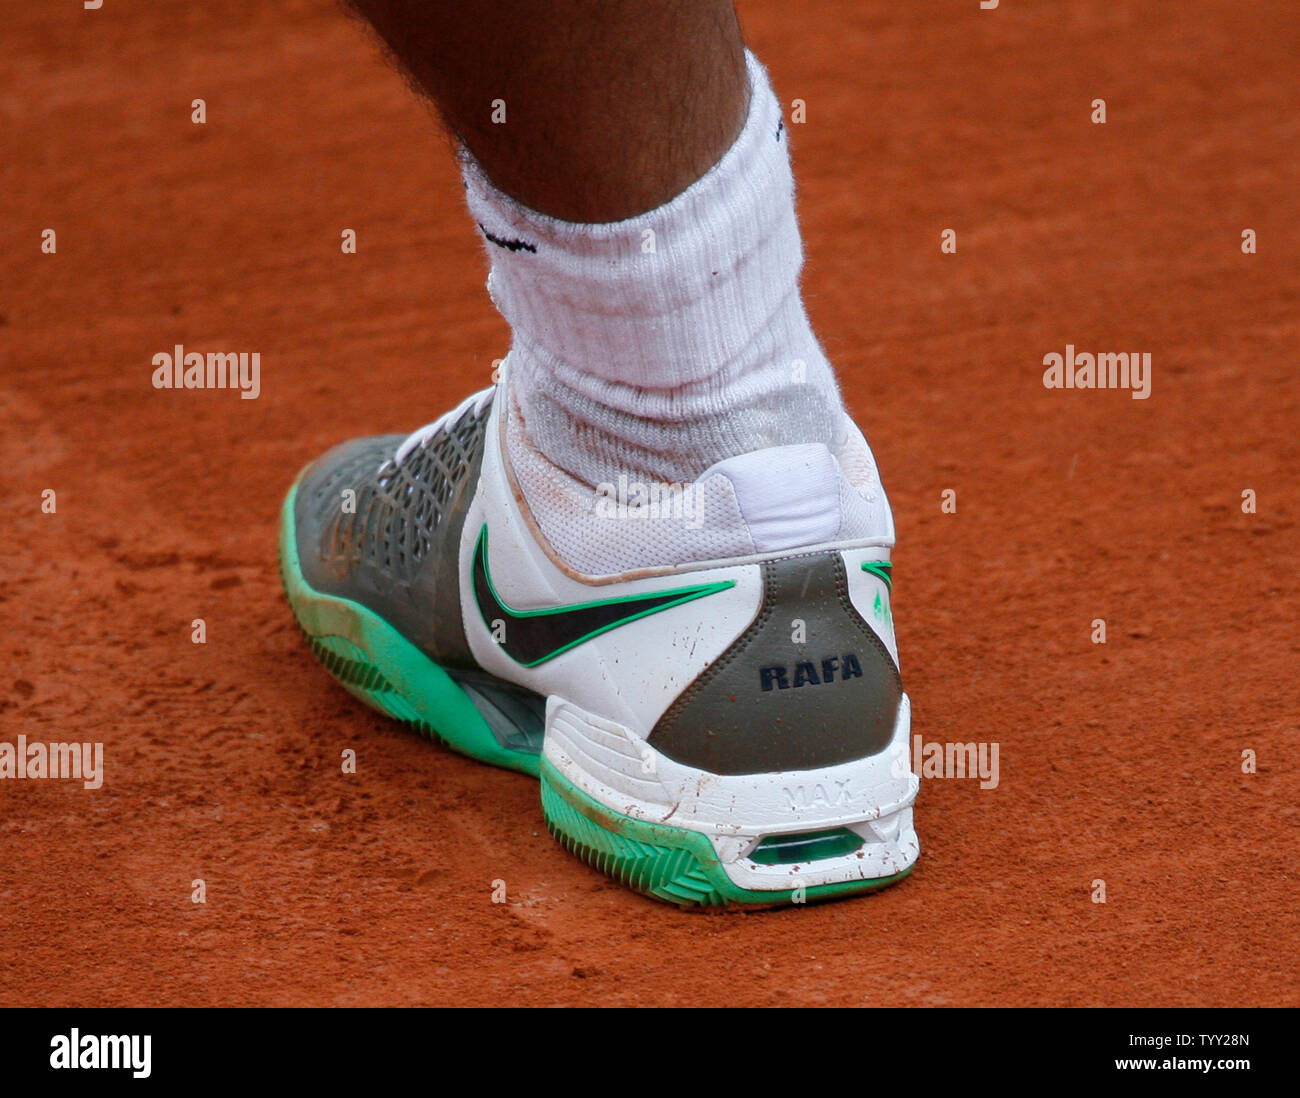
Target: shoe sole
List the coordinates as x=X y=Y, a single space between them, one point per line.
x=667 y=863
x=381 y=668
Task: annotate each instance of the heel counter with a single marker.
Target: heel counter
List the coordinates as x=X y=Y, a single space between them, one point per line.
x=809 y=683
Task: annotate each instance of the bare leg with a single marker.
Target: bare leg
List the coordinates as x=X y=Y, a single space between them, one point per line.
x=612 y=107
x=675 y=337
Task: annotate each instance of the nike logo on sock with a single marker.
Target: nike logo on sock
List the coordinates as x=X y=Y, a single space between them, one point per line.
x=531 y=637
x=509 y=245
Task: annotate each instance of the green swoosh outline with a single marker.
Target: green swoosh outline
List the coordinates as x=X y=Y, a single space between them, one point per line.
x=640 y=606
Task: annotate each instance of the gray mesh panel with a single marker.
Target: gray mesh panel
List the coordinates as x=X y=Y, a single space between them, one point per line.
x=399 y=512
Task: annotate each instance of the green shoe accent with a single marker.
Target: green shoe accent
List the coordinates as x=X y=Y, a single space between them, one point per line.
x=810 y=846
x=576 y=623
x=376 y=664
x=881 y=569
x=668 y=863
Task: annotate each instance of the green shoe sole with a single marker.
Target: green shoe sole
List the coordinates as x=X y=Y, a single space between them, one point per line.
x=668 y=863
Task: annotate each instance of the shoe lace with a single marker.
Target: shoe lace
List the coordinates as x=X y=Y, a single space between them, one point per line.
x=421 y=437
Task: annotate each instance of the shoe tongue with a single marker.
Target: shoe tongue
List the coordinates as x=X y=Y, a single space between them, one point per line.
x=789 y=496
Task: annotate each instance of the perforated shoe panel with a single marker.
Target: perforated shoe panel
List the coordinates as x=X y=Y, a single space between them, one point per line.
x=388 y=537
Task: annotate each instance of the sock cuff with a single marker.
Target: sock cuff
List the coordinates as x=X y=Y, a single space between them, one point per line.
x=668 y=297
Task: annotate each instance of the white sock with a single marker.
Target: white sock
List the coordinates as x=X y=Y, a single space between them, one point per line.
x=656 y=364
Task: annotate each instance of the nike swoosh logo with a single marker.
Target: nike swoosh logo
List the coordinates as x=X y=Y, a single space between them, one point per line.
x=532 y=637
x=881 y=569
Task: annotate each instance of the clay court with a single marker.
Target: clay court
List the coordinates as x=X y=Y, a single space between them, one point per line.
x=1120 y=762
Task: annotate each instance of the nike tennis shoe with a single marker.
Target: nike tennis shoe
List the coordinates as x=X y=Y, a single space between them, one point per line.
x=704 y=677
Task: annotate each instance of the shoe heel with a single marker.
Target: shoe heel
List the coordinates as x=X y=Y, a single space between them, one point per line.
x=667 y=863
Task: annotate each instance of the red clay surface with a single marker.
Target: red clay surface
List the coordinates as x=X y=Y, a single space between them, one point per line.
x=1120 y=762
